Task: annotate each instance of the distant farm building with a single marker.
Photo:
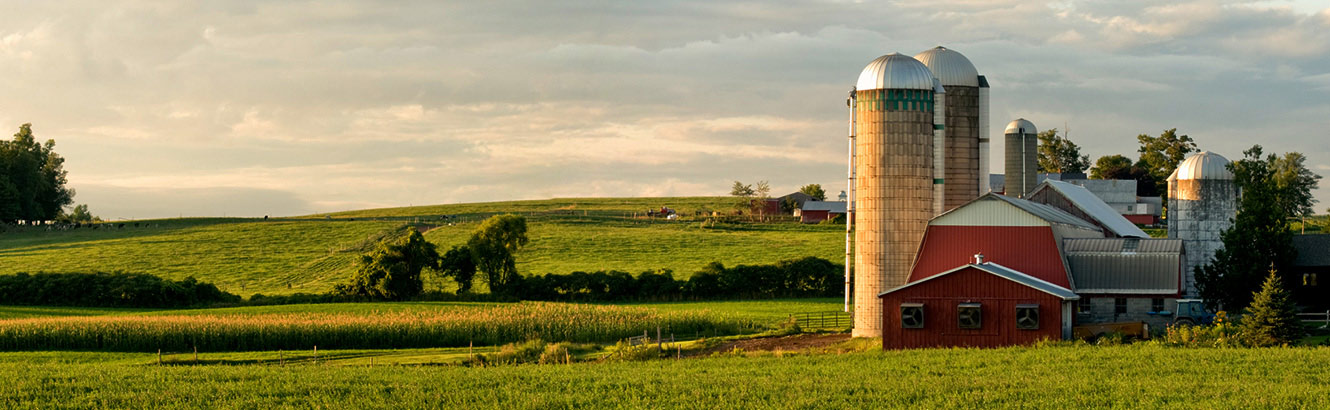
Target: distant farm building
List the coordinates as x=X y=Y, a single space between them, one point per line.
x=1312 y=271
x=818 y=211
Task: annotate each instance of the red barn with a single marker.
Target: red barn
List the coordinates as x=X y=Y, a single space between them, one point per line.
x=975 y=305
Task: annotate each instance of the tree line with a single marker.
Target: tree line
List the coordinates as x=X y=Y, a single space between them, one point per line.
x=393 y=270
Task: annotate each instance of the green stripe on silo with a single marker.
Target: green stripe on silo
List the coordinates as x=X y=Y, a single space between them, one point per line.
x=937 y=181
x=937 y=126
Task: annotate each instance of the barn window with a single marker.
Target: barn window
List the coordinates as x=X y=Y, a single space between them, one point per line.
x=969 y=316
x=1157 y=305
x=912 y=315
x=1120 y=306
x=1083 y=307
x=1027 y=317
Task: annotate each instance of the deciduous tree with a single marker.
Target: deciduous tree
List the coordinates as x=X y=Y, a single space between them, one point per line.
x=32 y=179
x=392 y=270
x=1161 y=155
x=1057 y=154
x=815 y=191
x=493 y=245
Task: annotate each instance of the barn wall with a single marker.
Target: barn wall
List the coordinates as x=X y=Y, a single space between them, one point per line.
x=812 y=216
x=940 y=297
x=1028 y=249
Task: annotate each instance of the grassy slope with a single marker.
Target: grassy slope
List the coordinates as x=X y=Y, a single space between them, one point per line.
x=247 y=256
x=1051 y=377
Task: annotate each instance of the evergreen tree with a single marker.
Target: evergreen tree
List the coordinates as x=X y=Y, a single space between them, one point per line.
x=1272 y=319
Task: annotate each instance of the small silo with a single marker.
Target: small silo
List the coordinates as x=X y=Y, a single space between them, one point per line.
x=893 y=114
x=965 y=125
x=1022 y=158
x=1202 y=202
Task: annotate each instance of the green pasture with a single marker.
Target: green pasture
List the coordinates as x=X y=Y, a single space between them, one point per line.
x=309 y=254
x=1135 y=376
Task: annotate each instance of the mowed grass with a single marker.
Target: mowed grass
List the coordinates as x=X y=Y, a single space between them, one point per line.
x=240 y=256
x=311 y=254
x=1136 y=376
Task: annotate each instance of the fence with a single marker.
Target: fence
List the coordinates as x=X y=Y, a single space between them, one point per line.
x=823 y=320
x=1313 y=318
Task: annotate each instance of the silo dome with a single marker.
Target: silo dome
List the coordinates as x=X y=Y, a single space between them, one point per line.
x=895 y=71
x=950 y=67
x=1015 y=127
x=1203 y=165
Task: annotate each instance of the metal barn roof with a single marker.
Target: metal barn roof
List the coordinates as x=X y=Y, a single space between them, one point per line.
x=1313 y=250
x=834 y=207
x=1016 y=126
x=1004 y=272
x=949 y=66
x=1203 y=165
x=895 y=71
x=1096 y=208
x=1125 y=265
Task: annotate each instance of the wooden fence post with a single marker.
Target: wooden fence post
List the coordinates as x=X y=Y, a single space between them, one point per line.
x=196 y=354
x=159 y=357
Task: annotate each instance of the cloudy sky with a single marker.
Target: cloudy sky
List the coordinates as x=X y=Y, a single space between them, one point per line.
x=286 y=108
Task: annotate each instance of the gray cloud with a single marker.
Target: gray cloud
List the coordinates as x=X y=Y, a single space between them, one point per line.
x=356 y=103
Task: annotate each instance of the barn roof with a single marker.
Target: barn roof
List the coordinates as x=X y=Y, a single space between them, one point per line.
x=1094 y=207
x=1125 y=265
x=835 y=207
x=1003 y=272
x=1045 y=212
x=1313 y=250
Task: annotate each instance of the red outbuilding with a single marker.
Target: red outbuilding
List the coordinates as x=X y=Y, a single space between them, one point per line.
x=976 y=305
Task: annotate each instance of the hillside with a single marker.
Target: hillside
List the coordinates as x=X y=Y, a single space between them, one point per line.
x=311 y=253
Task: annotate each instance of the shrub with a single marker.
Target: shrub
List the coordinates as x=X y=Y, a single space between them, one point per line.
x=100 y=289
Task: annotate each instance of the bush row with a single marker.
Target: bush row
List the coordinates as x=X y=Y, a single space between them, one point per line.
x=807 y=277
x=101 y=289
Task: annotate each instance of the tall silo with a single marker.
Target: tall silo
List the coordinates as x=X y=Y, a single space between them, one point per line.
x=1022 y=158
x=965 y=125
x=1202 y=201
x=893 y=112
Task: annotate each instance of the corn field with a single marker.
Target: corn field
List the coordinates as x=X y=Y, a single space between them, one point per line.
x=480 y=325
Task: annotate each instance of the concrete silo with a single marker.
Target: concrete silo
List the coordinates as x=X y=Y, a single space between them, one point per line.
x=893 y=122
x=1022 y=158
x=966 y=125
x=1202 y=201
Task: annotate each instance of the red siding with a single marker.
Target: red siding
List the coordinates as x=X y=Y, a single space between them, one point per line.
x=1141 y=219
x=1028 y=249
x=998 y=297
x=812 y=216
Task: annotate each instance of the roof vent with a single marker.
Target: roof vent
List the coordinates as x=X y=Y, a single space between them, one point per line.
x=979 y=258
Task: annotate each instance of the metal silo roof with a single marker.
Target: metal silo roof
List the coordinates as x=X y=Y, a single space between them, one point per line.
x=1204 y=165
x=895 y=71
x=949 y=66
x=1015 y=126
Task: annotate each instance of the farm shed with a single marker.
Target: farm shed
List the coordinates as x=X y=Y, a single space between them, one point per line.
x=818 y=211
x=977 y=305
x=1126 y=279
x=1312 y=271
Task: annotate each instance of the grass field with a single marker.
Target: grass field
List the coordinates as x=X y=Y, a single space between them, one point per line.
x=310 y=254
x=1134 y=376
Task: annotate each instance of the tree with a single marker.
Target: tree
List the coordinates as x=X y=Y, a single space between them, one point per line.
x=458 y=264
x=80 y=214
x=32 y=179
x=815 y=191
x=1120 y=167
x=492 y=246
x=1161 y=155
x=744 y=193
x=392 y=270
x=1272 y=319
x=1109 y=165
x=761 y=194
x=1057 y=154
x=1295 y=183
x=1258 y=240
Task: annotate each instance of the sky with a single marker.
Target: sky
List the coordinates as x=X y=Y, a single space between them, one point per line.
x=240 y=108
